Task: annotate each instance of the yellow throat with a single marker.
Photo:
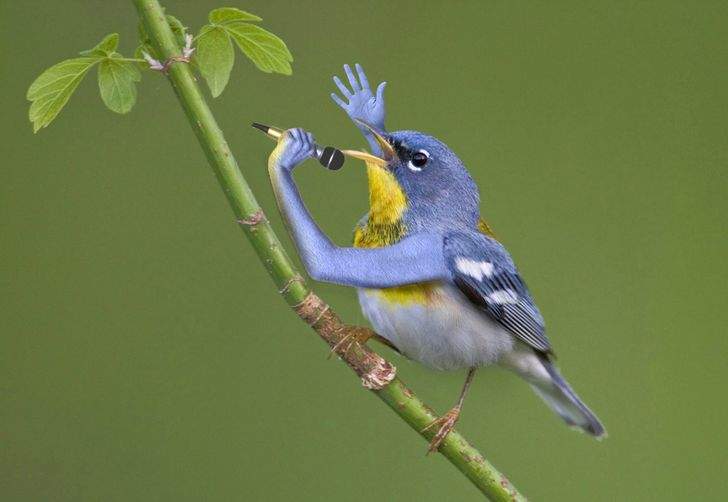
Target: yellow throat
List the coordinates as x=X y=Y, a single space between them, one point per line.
x=384 y=227
x=387 y=203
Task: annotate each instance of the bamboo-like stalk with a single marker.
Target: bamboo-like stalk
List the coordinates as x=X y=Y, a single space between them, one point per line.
x=376 y=373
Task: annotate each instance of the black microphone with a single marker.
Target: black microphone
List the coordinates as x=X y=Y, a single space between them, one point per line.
x=328 y=156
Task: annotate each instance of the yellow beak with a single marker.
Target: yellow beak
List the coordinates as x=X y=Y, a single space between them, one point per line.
x=387 y=149
x=365 y=156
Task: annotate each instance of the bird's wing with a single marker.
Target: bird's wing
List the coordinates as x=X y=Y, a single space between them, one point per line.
x=484 y=271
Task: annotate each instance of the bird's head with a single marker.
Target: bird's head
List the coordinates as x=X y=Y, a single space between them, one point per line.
x=420 y=176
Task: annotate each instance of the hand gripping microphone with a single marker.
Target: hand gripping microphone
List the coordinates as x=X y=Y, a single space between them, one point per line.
x=328 y=156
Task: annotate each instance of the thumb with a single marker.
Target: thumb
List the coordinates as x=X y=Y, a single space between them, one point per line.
x=380 y=91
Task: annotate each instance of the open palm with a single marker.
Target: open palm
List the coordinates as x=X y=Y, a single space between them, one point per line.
x=359 y=102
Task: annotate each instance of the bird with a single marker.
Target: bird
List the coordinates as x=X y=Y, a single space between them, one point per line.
x=431 y=277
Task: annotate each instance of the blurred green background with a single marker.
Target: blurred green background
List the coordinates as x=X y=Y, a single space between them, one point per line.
x=144 y=354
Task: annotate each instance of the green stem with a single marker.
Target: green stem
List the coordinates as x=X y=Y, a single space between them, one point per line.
x=236 y=189
x=271 y=253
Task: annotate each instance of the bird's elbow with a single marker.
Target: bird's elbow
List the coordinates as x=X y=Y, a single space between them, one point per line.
x=316 y=273
x=321 y=265
x=316 y=270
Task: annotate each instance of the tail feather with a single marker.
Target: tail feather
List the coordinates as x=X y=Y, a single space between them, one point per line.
x=562 y=399
x=536 y=368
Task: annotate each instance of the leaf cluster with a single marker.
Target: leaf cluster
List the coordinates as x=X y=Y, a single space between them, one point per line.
x=117 y=76
x=215 y=54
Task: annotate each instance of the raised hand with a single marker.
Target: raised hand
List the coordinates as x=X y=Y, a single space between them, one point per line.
x=359 y=102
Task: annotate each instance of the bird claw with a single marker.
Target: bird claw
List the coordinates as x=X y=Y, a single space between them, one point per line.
x=447 y=423
x=355 y=335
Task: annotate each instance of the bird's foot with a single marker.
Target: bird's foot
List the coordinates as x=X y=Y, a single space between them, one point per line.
x=354 y=335
x=446 y=423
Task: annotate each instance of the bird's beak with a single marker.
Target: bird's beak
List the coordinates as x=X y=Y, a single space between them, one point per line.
x=366 y=157
x=387 y=149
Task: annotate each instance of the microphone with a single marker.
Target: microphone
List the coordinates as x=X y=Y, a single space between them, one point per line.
x=329 y=157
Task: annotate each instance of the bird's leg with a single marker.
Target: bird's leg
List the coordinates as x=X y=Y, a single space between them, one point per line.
x=448 y=420
x=360 y=335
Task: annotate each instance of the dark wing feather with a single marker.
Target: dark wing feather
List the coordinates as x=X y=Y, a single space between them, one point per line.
x=482 y=269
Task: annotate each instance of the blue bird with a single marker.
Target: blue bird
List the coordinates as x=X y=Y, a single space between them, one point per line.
x=431 y=278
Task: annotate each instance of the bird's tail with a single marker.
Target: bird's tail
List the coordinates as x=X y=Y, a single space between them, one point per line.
x=557 y=393
x=561 y=398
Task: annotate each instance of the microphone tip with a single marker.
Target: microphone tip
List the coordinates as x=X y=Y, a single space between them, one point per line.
x=331 y=158
x=337 y=161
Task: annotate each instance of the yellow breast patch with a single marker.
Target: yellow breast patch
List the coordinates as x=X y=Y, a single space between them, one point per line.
x=421 y=293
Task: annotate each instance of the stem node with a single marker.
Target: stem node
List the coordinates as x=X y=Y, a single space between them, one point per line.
x=253 y=219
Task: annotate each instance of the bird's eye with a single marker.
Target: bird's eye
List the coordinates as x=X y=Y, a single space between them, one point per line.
x=419 y=159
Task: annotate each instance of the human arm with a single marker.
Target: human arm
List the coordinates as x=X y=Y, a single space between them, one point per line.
x=417 y=258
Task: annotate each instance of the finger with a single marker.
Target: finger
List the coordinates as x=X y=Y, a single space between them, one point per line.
x=352 y=79
x=362 y=77
x=297 y=134
x=302 y=138
x=302 y=145
x=310 y=143
x=338 y=100
x=380 y=91
x=346 y=92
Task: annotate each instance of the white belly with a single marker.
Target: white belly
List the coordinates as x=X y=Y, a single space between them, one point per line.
x=445 y=333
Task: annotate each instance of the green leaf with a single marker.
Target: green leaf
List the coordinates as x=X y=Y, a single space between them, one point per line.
x=104 y=48
x=215 y=57
x=53 y=88
x=117 y=84
x=178 y=29
x=227 y=14
x=267 y=51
